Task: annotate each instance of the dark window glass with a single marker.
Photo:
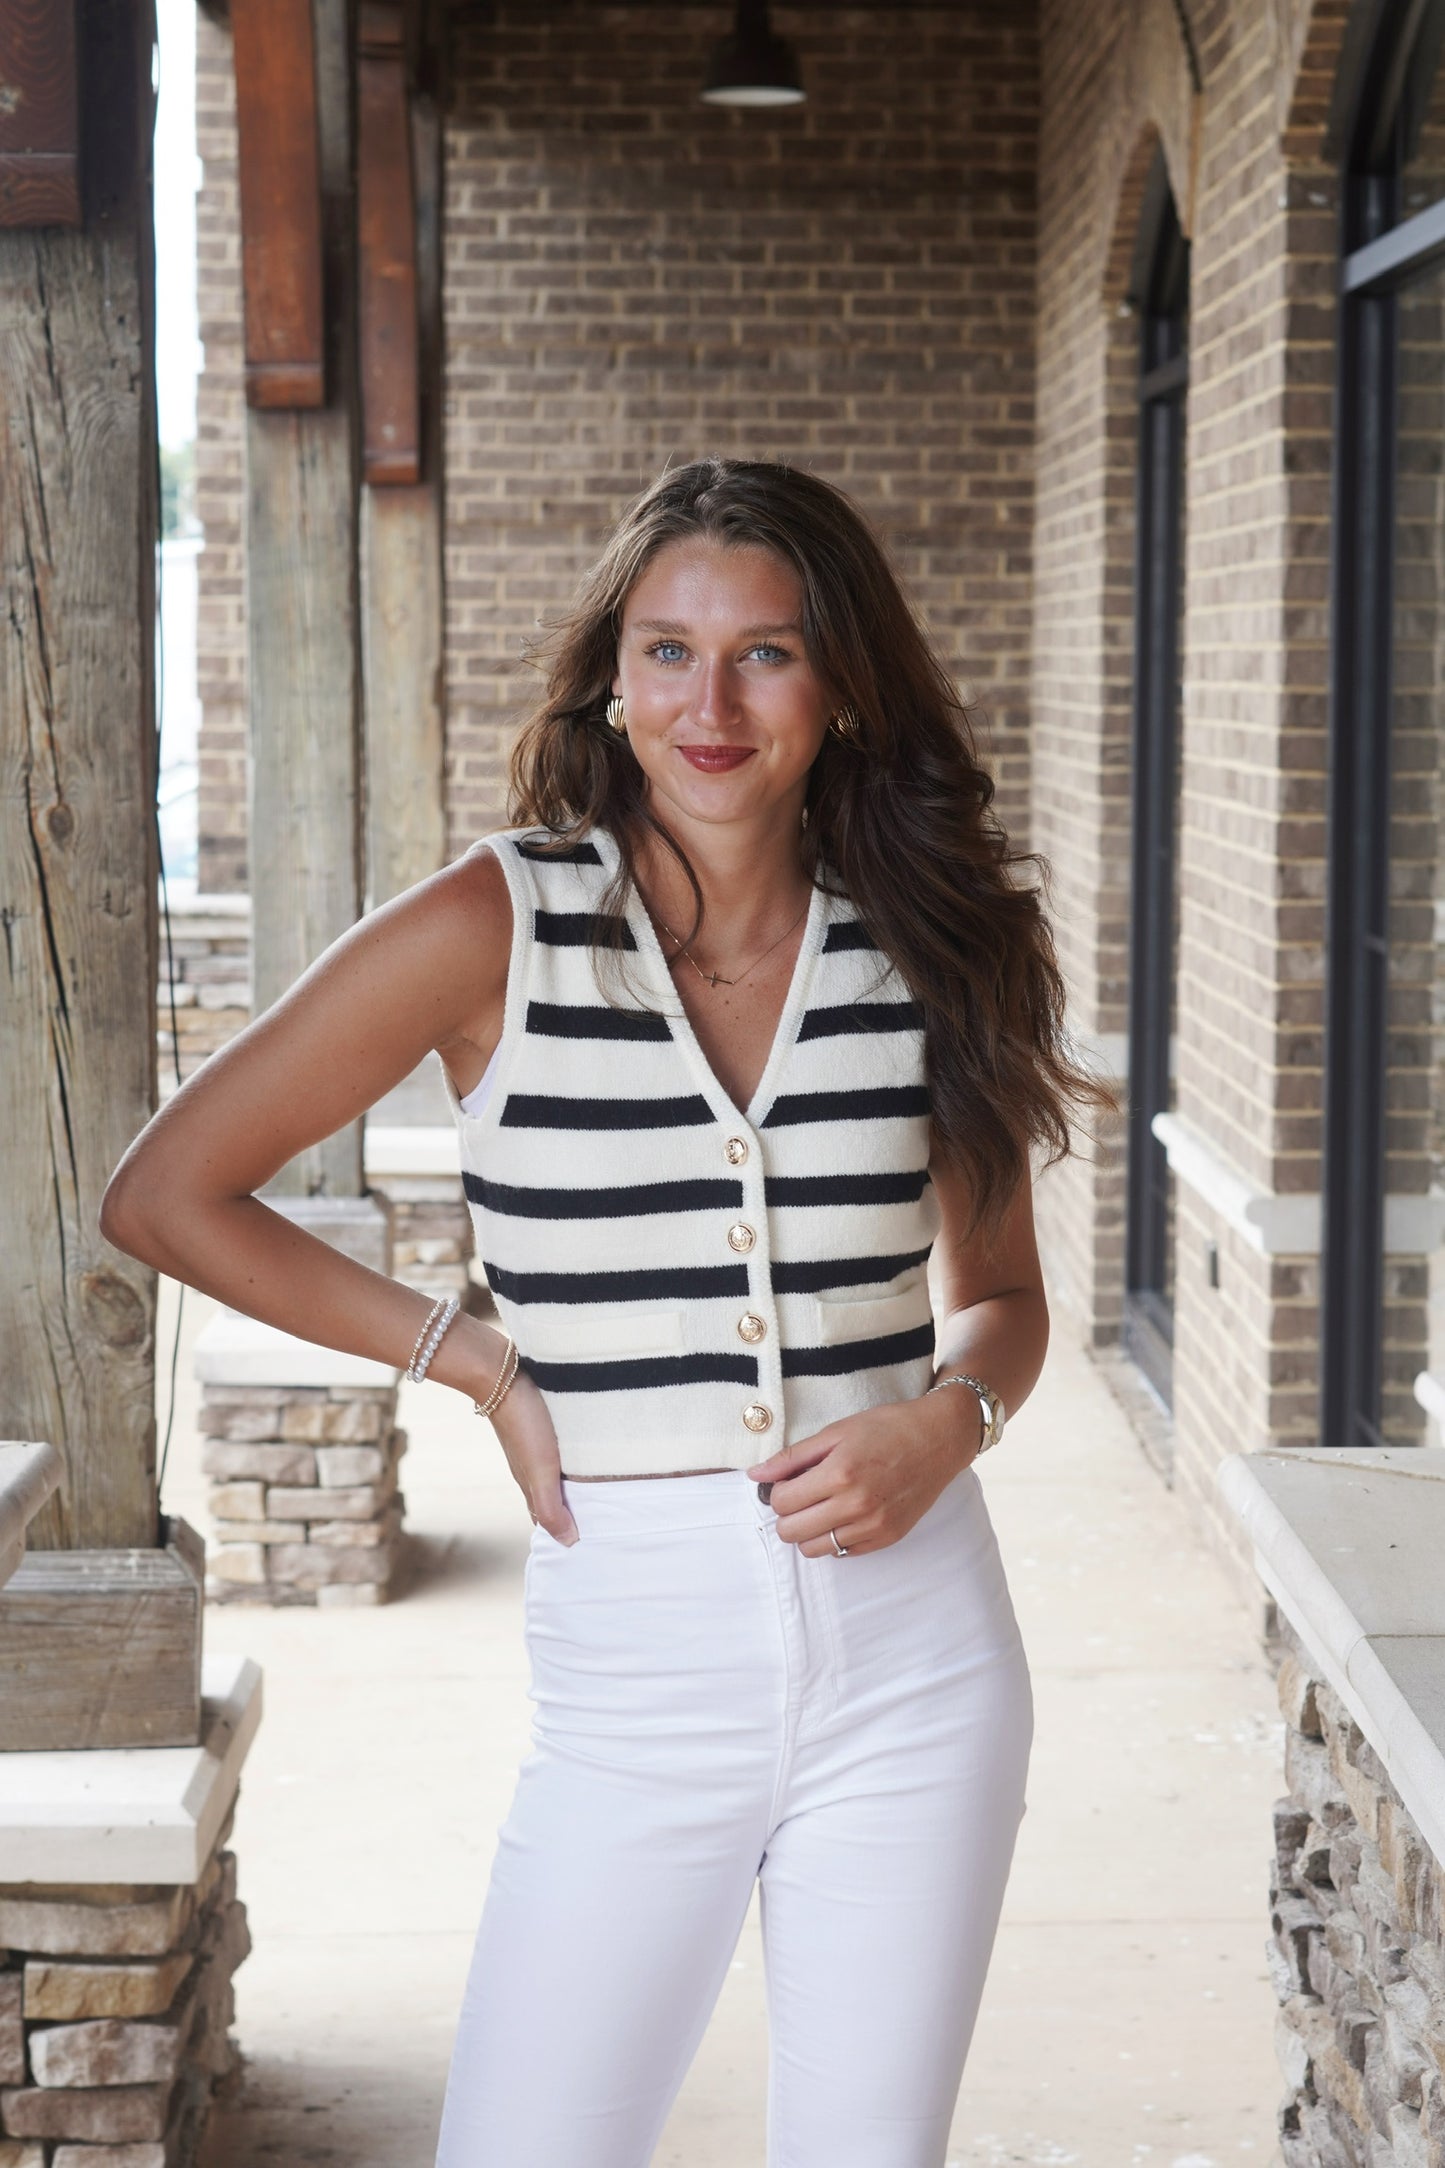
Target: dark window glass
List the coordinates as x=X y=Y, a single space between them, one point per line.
x=1162 y=295
x=1383 y=1288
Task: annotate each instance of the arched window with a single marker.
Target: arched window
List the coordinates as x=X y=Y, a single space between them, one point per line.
x=1160 y=291
x=1383 y=1098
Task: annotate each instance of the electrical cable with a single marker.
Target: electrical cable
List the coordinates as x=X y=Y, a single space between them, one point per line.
x=160 y=694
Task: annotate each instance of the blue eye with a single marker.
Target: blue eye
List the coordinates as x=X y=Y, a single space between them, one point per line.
x=658 y=646
x=770 y=648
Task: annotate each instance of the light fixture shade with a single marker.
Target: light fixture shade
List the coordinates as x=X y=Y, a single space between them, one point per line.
x=752 y=66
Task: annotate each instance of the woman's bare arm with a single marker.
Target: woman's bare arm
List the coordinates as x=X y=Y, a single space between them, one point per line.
x=876 y=1474
x=427 y=970
x=996 y=1315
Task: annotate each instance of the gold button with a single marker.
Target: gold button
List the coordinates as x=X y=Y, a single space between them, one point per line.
x=757 y=1417
x=735 y=1151
x=741 y=1236
x=752 y=1327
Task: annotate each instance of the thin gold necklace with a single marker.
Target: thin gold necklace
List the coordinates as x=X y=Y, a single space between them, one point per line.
x=715 y=978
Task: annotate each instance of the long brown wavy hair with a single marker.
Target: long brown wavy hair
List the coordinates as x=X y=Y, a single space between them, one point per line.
x=902 y=821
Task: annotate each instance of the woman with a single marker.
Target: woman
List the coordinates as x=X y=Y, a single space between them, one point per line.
x=745 y=1019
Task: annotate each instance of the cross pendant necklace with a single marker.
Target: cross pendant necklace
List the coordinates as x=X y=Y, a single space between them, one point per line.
x=715 y=978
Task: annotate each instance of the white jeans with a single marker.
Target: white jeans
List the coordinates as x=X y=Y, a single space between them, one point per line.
x=713 y=1707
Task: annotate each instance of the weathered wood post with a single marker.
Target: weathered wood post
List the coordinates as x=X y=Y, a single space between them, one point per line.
x=301 y=1442
x=400 y=230
x=78 y=873
x=112 y=1850
x=77 y=844
x=295 y=93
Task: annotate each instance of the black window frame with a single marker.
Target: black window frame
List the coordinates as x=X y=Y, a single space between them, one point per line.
x=1159 y=289
x=1380 y=253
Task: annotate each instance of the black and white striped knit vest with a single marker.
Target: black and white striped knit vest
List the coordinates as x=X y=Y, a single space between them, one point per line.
x=689 y=1284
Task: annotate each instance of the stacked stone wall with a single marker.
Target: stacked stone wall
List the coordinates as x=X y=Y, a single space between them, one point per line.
x=1357 y=1947
x=432 y=1238
x=210 y=1000
x=303 y=1494
x=115 y=2003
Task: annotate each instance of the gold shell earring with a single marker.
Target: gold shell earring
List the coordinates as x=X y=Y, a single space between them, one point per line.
x=616 y=714
x=844 y=724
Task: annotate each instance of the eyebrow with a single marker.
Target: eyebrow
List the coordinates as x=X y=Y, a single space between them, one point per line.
x=749 y=632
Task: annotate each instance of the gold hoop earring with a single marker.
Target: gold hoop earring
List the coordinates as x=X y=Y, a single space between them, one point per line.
x=844 y=724
x=616 y=716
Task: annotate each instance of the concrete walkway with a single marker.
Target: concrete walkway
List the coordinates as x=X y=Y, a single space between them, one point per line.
x=1128 y=2017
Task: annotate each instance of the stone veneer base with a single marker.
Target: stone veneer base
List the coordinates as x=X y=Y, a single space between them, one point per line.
x=119 y=1946
x=301 y=1448
x=115 y=2007
x=1357 y=1946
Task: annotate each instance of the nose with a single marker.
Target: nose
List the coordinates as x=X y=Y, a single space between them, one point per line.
x=716 y=704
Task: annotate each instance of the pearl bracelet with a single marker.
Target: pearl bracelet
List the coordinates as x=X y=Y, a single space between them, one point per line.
x=429 y=1339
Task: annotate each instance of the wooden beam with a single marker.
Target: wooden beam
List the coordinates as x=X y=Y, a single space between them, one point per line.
x=39 y=114
x=403 y=595
x=78 y=872
x=280 y=188
x=386 y=222
x=303 y=631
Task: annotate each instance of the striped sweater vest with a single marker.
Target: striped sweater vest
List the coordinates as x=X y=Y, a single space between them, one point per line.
x=688 y=1284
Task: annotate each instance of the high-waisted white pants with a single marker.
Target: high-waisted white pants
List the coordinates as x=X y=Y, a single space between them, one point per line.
x=715 y=1708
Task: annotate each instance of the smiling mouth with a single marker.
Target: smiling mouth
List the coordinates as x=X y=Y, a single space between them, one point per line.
x=716 y=759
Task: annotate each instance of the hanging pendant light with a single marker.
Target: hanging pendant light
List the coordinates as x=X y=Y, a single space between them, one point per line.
x=752 y=66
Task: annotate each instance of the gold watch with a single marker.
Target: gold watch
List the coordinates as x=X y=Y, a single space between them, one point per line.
x=988 y=1400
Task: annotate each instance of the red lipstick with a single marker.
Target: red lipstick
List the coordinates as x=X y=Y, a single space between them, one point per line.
x=716 y=759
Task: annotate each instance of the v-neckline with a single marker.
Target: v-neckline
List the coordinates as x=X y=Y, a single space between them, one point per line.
x=784 y=1036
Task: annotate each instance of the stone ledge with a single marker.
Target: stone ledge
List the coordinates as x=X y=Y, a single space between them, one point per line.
x=132 y=1814
x=237 y=1350
x=1350 y=1544
x=1280 y=1225
x=417 y=1151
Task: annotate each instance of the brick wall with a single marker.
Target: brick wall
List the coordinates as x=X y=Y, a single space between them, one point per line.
x=220 y=447
x=1247 y=160
x=634 y=278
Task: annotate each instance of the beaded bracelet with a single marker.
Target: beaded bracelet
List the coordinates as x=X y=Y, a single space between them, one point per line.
x=429 y=1339
x=506 y=1377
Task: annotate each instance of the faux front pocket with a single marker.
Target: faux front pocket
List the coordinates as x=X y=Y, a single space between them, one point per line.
x=586 y=1336
x=872 y=1317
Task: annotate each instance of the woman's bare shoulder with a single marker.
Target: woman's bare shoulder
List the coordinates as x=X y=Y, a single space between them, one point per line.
x=464 y=916
x=474 y=887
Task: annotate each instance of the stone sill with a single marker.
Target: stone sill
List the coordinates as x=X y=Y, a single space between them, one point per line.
x=30 y=1470
x=419 y=1152
x=1285 y=1226
x=1351 y=1544
x=132 y=1814
x=237 y=1350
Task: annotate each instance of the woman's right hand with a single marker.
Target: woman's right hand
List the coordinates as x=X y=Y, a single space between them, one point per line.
x=529 y=1441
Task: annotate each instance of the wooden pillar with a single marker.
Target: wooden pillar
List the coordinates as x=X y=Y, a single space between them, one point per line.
x=78 y=870
x=402 y=555
x=302 y=605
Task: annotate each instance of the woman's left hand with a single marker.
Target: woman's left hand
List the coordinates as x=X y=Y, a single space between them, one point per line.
x=871 y=1476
